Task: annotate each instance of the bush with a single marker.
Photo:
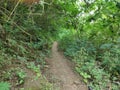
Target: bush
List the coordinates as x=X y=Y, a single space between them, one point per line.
x=99 y=66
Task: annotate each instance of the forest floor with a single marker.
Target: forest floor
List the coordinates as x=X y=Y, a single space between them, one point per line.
x=61 y=74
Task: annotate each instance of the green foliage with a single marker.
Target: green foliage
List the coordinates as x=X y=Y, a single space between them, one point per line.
x=88 y=32
x=21 y=76
x=4 y=86
x=90 y=71
x=95 y=47
x=25 y=36
x=97 y=69
x=35 y=68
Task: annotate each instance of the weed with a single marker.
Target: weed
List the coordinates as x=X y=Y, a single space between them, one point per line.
x=4 y=86
x=97 y=73
x=21 y=76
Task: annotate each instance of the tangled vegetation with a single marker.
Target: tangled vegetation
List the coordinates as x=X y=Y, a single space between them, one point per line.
x=88 y=32
x=95 y=44
x=25 y=40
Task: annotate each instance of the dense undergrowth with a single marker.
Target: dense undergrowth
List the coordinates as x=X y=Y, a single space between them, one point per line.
x=94 y=46
x=25 y=41
x=99 y=66
x=88 y=32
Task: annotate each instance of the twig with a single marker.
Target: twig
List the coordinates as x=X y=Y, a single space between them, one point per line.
x=13 y=10
x=20 y=28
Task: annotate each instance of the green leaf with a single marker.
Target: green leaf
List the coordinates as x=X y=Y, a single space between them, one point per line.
x=4 y=86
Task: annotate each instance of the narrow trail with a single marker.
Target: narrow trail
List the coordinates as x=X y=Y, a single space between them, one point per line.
x=63 y=76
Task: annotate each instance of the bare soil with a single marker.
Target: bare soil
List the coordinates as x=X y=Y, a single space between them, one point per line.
x=61 y=73
x=30 y=82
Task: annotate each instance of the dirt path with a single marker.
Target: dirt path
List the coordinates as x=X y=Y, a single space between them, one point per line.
x=62 y=74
